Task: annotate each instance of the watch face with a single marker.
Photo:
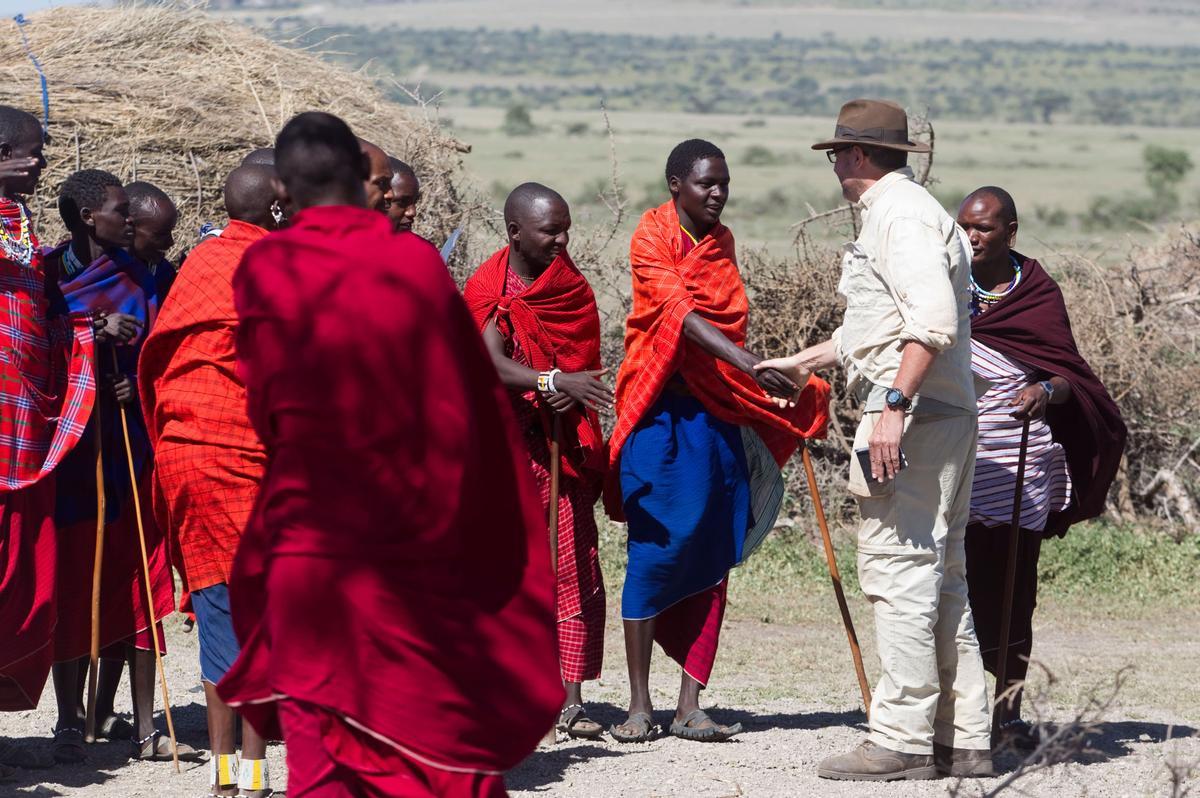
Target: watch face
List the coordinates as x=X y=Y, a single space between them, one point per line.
x=895 y=398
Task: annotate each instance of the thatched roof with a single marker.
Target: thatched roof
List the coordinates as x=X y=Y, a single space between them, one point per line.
x=176 y=97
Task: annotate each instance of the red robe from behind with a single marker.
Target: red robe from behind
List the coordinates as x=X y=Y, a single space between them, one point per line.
x=395 y=571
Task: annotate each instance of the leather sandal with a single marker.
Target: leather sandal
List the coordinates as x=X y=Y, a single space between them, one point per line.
x=689 y=728
x=642 y=720
x=157 y=748
x=68 y=746
x=574 y=722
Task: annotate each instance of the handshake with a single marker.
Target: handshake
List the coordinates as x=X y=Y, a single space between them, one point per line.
x=783 y=378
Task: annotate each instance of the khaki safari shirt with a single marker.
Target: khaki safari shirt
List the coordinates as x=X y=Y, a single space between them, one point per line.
x=907 y=278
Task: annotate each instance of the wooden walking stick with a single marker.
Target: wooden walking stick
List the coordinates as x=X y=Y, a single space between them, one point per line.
x=1010 y=579
x=137 y=509
x=836 y=577
x=89 y=726
x=552 y=524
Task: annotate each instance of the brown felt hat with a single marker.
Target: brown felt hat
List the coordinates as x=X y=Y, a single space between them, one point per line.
x=872 y=123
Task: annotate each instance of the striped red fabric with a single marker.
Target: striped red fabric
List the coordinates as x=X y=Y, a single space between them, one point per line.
x=47 y=374
x=579 y=590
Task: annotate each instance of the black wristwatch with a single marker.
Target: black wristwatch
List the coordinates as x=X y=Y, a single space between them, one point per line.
x=896 y=400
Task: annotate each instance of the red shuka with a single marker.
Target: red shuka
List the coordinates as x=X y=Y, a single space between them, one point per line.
x=208 y=462
x=667 y=286
x=47 y=394
x=395 y=570
x=557 y=325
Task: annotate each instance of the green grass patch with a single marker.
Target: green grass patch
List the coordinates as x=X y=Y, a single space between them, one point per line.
x=1101 y=559
x=1094 y=561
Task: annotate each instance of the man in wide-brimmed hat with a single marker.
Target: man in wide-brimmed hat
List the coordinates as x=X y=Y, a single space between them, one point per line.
x=905 y=345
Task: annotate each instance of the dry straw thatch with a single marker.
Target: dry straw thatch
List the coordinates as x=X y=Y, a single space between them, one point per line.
x=173 y=96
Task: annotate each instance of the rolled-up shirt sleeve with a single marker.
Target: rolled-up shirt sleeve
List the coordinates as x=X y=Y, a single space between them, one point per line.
x=837 y=346
x=917 y=263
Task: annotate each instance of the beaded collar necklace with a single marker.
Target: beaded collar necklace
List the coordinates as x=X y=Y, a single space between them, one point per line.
x=981 y=298
x=19 y=248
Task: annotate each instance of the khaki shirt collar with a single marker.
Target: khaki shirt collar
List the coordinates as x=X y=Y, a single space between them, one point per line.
x=883 y=184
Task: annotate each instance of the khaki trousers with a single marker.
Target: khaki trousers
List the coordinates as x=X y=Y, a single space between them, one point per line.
x=912 y=568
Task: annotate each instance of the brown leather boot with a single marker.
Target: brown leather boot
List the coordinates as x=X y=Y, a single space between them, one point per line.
x=871 y=762
x=965 y=763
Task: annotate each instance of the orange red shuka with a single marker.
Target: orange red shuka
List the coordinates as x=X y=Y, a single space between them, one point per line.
x=667 y=286
x=208 y=460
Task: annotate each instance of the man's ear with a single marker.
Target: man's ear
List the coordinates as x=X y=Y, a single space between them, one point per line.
x=364 y=167
x=85 y=216
x=1012 y=234
x=514 y=233
x=673 y=185
x=281 y=193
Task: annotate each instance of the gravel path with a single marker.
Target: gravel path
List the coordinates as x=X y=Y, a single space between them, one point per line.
x=792 y=688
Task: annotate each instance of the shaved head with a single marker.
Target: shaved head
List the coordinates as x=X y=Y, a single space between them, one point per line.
x=379 y=183
x=263 y=156
x=1008 y=208
x=249 y=195
x=319 y=162
x=537 y=220
x=528 y=200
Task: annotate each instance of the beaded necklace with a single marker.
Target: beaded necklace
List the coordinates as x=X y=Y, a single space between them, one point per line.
x=982 y=299
x=19 y=248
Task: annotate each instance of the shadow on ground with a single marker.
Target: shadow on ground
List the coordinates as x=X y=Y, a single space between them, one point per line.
x=104 y=758
x=1110 y=740
x=547 y=766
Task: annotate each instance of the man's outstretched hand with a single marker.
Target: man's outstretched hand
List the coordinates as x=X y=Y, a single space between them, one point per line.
x=792 y=367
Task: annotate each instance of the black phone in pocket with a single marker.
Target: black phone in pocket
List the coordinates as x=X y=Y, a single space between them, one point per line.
x=864 y=460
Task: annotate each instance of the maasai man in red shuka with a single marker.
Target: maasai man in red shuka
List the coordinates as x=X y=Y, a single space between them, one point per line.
x=46 y=398
x=208 y=461
x=698 y=444
x=1022 y=344
x=393 y=591
x=539 y=321
x=98 y=276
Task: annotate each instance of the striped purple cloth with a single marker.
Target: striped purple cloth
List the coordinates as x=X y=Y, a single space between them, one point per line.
x=1047 y=480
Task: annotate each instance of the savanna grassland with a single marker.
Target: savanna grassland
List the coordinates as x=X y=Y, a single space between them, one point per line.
x=1017 y=94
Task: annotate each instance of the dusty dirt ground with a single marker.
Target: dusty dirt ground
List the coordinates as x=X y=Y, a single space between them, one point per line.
x=792 y=686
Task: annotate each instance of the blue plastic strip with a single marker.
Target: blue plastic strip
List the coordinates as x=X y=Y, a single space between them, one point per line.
x=21 y=22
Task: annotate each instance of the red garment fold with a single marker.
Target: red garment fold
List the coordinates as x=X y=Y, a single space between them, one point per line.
x=667 y=286
x=1032 y=326
x=690 y=631
x=124 y=612
x=28 y=588
x=395 y=570
x=208 y=460
x=556 y=323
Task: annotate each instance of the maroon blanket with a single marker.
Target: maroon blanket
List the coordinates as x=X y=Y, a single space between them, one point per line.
x=1031 y=325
